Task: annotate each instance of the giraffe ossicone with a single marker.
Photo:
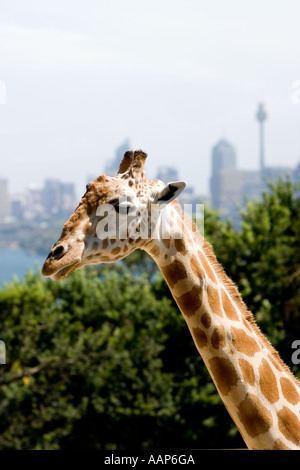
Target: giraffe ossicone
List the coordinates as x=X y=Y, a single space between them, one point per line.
x=120 y=214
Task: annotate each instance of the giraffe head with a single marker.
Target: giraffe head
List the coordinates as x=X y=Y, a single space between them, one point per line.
x=115 y=216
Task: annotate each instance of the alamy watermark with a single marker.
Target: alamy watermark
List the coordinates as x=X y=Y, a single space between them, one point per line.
x=2 y=92
x=296 y=354
x=2 y=352
x=124 y=220
x=296 y=93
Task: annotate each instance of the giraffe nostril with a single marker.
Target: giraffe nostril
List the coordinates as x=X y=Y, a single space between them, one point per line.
x=58 y=252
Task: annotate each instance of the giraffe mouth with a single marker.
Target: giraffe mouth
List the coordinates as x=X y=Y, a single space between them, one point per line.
x=64 y=272
x=59 y=273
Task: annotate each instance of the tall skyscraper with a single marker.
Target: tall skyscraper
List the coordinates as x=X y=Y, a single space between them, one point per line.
x=58 y=197
x=261 y=116
x=223 y=156
x=228 y=184
x=167 y=174
x=223 y=167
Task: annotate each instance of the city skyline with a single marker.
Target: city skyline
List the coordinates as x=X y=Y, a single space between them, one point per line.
x=174 y=77
x=80 y=184
x=111 y=165
x=228 y=185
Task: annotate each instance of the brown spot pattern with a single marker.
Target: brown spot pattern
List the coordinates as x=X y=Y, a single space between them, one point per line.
x=268 y=383
x=196 y=267
x=214 y=300
x=223 y=373
x=207 y=268
x=247 y=324
x=218 y=337
x=275 y=362
x=166 y=242
x=243 y=342
x=104 y=243
x=289 y=425
x=180 y=246
x=190 y=302
x=289 y=391
x=247 y=371
x=155 y=251
x=174 y=272
x=116 y=250
x=279 y=445
x=254 y=416
x=206 y=320
x=200 y=337
x=228 y=307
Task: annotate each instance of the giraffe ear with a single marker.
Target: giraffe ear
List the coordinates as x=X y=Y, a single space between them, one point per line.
x=169 y=192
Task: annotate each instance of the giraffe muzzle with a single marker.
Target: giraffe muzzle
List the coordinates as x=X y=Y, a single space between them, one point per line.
x=62 y=260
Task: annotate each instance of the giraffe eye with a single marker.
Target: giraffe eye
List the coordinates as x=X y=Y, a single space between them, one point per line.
x=122 y=207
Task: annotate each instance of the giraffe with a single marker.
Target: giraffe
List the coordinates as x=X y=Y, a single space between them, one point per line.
x=257 y=388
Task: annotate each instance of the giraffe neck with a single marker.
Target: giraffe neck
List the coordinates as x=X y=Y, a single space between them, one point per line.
x=258 y=390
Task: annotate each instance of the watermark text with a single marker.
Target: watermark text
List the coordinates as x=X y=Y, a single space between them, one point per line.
x=2 y=92
x=2 y=352
x=123 y=220
x=296 y=354
x=296 y=93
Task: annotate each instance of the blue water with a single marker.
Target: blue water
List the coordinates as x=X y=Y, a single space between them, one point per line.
x=16 y=263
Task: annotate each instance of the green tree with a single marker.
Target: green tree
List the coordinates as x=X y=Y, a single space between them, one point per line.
x=82 y=361
x=101 y=360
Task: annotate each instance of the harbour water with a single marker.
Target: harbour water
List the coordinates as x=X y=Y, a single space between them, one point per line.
x=16 y=263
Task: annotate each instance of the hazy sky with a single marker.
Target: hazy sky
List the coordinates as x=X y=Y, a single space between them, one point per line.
x=173 y=76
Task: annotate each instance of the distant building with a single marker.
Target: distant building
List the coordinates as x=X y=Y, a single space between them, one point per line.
x=276 y=172
x=68 y=197
x=167 y=174
x=296 y=173
x=58 y=197
x=223 y=156
x=253 y=185
x=4 y=198
x=224 y=179
x=17 y=209
x=51 y=196
x=230 y=187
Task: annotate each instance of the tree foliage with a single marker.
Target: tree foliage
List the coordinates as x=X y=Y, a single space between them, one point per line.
x=97 y=361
